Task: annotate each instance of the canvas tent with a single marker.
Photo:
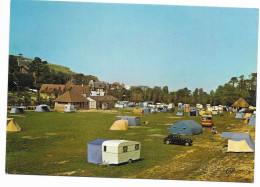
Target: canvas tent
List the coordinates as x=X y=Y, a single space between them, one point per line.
x=138 y=111
x=251 y=121
x=132 y=120
x=147 y=110
x=42 y=108
x=95 y=151
x=247 y=115
x=120 y=125
x=239 y=142
x=186 y=127
x=239 y=115
x=12 y=126
x=179 y=114
x=193 y=112
x=17 y=110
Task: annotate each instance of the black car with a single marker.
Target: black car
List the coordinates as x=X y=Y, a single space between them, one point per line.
x=176 y=139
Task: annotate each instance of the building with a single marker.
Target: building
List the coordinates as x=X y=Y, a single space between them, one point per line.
x=104 y=102
x=71 y=98
x=240 y=104
x=51 y=91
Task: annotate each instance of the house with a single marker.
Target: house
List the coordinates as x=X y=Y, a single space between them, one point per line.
x=92 y=103
x=23 y=65
x=104 y=102
x=239 y=142
x=186 y=127
x=240 y=104
x=51 y=91
x=72 y=97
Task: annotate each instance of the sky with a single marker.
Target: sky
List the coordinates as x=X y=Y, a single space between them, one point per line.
x=153 y=45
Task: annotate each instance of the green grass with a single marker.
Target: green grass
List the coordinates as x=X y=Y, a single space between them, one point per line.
x=60 y=68
x=55 y=143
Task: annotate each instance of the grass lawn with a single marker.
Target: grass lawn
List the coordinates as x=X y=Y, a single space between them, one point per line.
x=55 y=143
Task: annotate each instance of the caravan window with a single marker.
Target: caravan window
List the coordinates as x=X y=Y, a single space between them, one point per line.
x=125 y=149
x=105 y=148
x=136 y=146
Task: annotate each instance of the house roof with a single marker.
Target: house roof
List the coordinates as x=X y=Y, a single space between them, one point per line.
x=99 y=85
x=49 y=88
x=241 y=103
x=104 y=98
x=71 y=97
x=80 y=89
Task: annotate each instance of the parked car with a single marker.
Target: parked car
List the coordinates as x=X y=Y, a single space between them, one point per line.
x=176 y=139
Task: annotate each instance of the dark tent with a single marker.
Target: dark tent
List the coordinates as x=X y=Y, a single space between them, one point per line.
x=95 y=151
x=186 y=127
x=193 y=112
x=17 y=110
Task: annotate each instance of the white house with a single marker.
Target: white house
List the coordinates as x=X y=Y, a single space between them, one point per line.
x=92 y=103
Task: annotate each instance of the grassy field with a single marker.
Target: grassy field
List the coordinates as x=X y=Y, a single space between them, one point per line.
x=60 y=68
x=55 y=143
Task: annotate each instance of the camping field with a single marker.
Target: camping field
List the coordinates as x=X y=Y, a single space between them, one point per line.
x=55 y=143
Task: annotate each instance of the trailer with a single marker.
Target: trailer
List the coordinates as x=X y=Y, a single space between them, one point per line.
x=120 y=151
x=206 y=120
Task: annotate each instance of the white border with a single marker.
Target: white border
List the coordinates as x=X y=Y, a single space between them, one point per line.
x=27 y=180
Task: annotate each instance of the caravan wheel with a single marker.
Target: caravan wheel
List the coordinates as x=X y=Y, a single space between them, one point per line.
x=130 y=161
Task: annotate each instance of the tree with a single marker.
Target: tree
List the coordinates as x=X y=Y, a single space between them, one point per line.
x=233 y=81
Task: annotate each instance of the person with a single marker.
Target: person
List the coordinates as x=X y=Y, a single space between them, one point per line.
x=214 y=130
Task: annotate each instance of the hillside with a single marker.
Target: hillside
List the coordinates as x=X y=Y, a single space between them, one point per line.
x=60 y=68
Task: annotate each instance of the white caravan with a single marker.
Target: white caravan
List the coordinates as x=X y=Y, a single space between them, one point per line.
x=120 y=151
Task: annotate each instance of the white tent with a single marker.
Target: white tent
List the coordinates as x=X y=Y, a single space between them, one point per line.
x=42 y=108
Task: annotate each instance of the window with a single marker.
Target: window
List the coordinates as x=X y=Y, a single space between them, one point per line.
x=136 y=146
x=105 y=148
x=125 y=149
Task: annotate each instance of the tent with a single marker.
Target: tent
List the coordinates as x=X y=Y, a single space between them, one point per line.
x=179 y=114
x=239 y=142
x=201 y=112
x=181 y=107
x=251 y=121
x=132 y=120
x=12 y=126
x=247 y=115
x=17 y=110
x=138 y=111
x=95 y=151
x=147 y=110
x=193 y=112
x=42 y=108
x=120 y=125
x=186 y=127
x=239 y=115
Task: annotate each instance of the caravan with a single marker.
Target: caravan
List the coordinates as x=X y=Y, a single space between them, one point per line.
x=120 y=151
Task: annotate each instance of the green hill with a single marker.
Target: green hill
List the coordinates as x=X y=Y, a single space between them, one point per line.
x=60 y=68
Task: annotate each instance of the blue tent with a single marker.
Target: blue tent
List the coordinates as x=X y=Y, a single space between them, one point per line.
x=132 y=120
x=179 y=114
x=238 y=137
x=193 y=112
x=239 y=115
x=186 y=127
x=147 y=110
x=251 y=121
x=181 y=107
x=95 y=151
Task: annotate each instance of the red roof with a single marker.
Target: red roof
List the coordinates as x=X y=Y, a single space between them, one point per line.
x=50 y=88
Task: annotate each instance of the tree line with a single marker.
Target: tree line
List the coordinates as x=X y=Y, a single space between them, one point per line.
x=225 y=94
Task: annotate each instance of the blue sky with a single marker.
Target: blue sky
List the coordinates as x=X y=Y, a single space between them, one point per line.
x=178 y=46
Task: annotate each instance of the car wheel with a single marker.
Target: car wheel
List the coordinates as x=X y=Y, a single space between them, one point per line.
x=167 y=142
x=187 y=144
